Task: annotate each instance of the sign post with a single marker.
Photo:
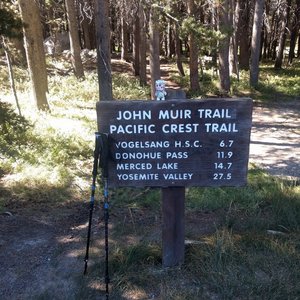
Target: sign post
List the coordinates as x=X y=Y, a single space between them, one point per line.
x=173 y=144
x=173 y=209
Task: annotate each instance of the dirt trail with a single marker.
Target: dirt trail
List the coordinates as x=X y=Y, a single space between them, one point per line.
x=275 y=139
x=39 y=255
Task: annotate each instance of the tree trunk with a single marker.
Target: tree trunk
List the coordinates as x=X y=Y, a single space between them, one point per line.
x=293 y=40
x=178 y=51
x=124 y=36
x=224 y=24
x=194 y=52
x=283 y=34
x=244 y=34
x=170 y=45
x=255 y=42
x=103 y=50
x=86 y=34
x=154 y=49
x=266 y=35
x=294 y=32
x=11 y=76
x=136 y=46
x=235 y=6
x=143 y=50
x=74 y=39
x=177 y=41
x=298 y=52
x=35 y=52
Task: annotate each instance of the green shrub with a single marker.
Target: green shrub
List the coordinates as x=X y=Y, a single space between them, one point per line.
x=13 y=130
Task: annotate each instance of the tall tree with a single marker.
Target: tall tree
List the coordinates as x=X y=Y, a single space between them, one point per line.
x=35 y=55
x=177 y=41
x=124 y=32
x=225 y=26
x=194 y=51
x=295 y=25
x=103 y=50
x=154 y=48
x=178 y=51
x=283 y=34
x=10 y=27
x=243 y=34
x=136 y=44
x=255 y=42
x=74 y=39
x=235 y=8
x=143 y=47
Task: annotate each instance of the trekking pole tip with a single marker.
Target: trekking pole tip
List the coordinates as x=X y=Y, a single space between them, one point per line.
x=85 y=268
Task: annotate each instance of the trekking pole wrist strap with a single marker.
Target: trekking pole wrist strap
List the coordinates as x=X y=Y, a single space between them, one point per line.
x=103 y=153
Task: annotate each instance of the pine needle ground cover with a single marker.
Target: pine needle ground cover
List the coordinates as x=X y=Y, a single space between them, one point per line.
x=242 y=243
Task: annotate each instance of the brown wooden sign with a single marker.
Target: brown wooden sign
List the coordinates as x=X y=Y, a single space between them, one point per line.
x=177 y=142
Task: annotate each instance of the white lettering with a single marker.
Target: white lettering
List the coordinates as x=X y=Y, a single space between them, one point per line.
x=132 y=129
x=134 y=166
x=134 y=115
x=223 y=127
x=131 y=177
x=180 y=128
x=143 y=144
x=175 y=114
x=138 y=155
x=177 y=155
x=167 y=166
x=217 y=113
x=178 y=176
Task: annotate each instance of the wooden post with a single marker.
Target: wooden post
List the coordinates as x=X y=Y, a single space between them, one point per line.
x=173 y=199
x=173 y=203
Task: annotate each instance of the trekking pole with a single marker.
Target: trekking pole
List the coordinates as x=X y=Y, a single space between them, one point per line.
x=92 y=201
x=103 y=164
x=106 y=217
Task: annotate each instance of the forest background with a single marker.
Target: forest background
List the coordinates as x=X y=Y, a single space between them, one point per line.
x=57 y=59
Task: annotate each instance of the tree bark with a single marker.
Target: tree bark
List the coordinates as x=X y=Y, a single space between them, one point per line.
x=177 y=41
x=178 y=51
x=283 y=34
x=194 y=52
x=293 y=39
x=235 y=6
x=103 y=50
x=35 y=54
x=255 y=42
x=298 y=52
x=136 y=46
x=154 y=49
x=124 y=36
x=74 y=39
x=11 y=76
x=143 y=50
x=243 y=34
x=86 y=34
x=224 y=24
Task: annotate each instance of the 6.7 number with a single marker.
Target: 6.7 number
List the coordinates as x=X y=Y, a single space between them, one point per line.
x=227 y=144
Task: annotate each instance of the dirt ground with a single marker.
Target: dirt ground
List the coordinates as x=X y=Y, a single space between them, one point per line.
x=41 y=255
x=275 y=139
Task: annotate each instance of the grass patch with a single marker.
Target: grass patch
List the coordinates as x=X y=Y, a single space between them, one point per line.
x=247 y=266
x=265 y=203
x=274 y=85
